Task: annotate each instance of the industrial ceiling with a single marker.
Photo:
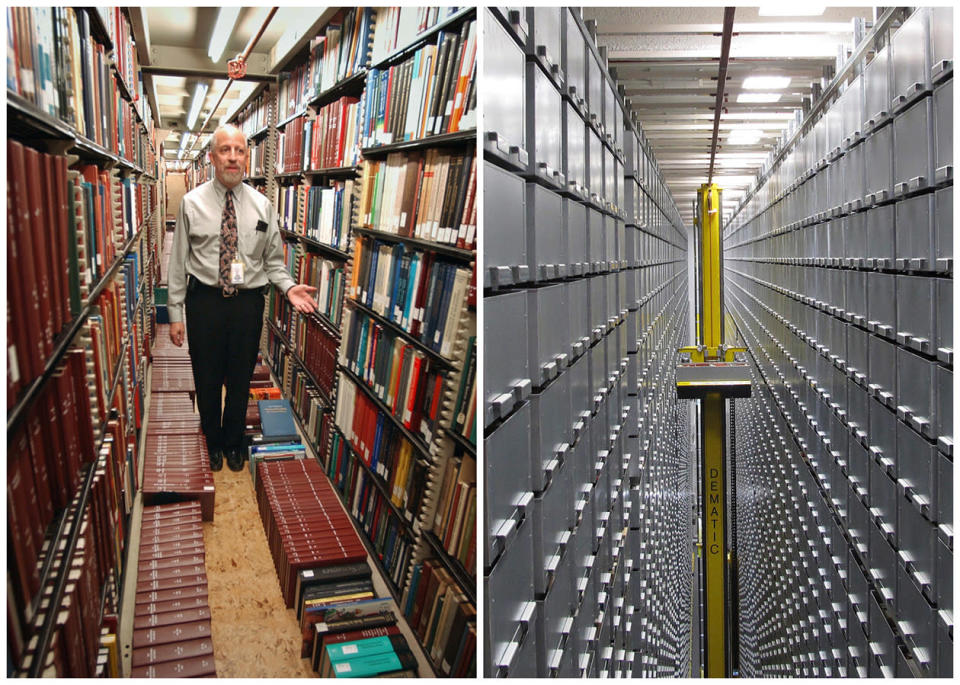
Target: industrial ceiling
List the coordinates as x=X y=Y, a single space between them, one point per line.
x=667 y=60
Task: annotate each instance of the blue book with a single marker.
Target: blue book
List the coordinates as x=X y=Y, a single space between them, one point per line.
x=412 y=592
x=441 y=315
x=394 y=278
x=372 y=281
x=411 y=288
x=276 y=421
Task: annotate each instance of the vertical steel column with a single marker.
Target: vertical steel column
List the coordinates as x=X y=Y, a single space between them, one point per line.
x=713 y=473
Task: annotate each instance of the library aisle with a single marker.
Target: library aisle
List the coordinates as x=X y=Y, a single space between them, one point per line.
x=345 y=543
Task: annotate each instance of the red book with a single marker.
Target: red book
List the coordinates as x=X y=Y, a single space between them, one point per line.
x=412 y=392
x=21 y=283
x=195 y=667
x=176 y=651
x=38 y=233
x=38 y=459
x=163 y=595
x=168 y=618
x=196 y=602
x=49 y=217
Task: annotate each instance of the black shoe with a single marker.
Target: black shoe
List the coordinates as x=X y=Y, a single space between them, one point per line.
x=235 y=458
x=216 y=460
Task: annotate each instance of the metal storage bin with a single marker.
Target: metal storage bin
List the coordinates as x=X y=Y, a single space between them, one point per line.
x=547 y=241
x=505 y=331
x=546 y=38
x=509 y=599
x=573 y=54
x=548 y=331
x=916 y=313
x=882 y=437
x=915 y=233
x=913 y=135
x=910 y=45
x=877 y=94
x=551 y=431
x=516 y=20
x=595 y=168
x=917 y=461
x=943 y=229
x=543 y=127
x=944 y=411
x=553 y=522
x=507 y=463
x=581 y=399
x=882 y=304
x=917 y=619
x=557 y=614
x=597 y=240
x=915 y=392
x=503 y=118
x=574 y=218
x=505 y=241
x=943 y=132
x=595 y=83
x=917 y=538
x=574 y=149
x=878 y=157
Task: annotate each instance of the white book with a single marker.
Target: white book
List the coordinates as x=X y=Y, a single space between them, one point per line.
x=461 y=283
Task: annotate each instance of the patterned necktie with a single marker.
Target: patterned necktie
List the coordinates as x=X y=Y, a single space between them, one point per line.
x=228 y=245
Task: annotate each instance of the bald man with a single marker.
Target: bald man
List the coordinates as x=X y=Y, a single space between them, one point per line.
x=226 y=250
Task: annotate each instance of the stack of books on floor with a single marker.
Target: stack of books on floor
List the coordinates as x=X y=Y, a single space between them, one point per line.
x=305 y=524
x=176 y=462
x=278 y=438
x=347 y=630
x=171 y=629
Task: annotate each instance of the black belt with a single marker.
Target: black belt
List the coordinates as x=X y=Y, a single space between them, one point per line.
x=194 y=283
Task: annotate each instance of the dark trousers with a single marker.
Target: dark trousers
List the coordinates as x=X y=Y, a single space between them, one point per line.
x=223 y=334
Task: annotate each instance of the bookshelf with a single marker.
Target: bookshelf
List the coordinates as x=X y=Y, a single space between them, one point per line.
x=82 y=228
x=391 y=519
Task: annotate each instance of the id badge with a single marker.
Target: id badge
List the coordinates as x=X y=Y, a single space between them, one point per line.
x=236 y=273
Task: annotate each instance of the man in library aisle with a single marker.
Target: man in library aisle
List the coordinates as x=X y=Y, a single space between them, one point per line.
x=226 y=249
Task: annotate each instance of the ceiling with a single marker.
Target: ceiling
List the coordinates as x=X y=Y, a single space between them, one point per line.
x=667 y=60
x=178 y=37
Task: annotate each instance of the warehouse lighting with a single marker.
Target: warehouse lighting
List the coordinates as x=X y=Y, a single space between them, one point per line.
x=226 y=19
x=183 y=145
x=744 y=137
x=766 y=82
x=199 y=95
x=776 y=9
x=758 y=97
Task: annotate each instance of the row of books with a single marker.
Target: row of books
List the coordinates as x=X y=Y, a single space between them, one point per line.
x=465 y=406
x=430 y=196
x=256 y=158
x=393 y=458
x=325 y=142
x=388 y=534
x=44 y=466
x=172 y=634
x=53 y=62
x=313 y=343
x=255 y=115
x=125 y=58
x=320 y=212
x=430 y=93
x=305 y=525
x=400 y=26
x=419 y=291
x=176 y=462
x=304 y=396
x=396 y=371
x=324 y=274
x=347 y=630
x=443 y=618
x=335 y=55
x=90 y=599
x=455 y=521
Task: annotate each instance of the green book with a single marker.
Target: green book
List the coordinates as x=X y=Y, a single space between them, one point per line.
x=374 y=665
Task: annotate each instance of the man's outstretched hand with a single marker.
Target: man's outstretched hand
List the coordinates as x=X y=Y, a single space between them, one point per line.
x=301 y=297
x=176 y=333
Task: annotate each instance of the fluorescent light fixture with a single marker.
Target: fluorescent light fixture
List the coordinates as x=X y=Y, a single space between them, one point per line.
x=184 y=137
x=783 y=9
x=199 y=95
x=226 y=19
x=744 y=137
x=766 y=82
x=758 y=97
